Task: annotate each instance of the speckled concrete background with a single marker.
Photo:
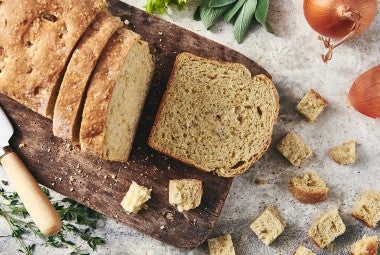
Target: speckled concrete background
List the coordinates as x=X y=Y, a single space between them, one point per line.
x=292 y=57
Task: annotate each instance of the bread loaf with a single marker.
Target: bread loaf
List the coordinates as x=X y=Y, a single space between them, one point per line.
x=69 y=105
x=215 y=116
x=116 y=97
x=37 y=38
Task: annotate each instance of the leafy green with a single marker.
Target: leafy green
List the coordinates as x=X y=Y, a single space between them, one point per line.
x=210 y=15
x=244 y=20
x=220 y=3
x=76 y=218
x=161 y=6
x=261 y=14
x=234 y=10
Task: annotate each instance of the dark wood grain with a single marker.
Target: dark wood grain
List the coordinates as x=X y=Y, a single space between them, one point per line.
x=100 y=184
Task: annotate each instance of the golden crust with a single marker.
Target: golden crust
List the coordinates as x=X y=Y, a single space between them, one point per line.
x=78 y=72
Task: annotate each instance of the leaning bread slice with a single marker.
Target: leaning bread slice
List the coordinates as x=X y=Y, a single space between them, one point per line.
x=37 y=39
x=215 y=115
x=67 y=111
x=116 y=97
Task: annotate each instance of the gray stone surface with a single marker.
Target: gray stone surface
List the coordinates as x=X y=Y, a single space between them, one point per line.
x=292 y=57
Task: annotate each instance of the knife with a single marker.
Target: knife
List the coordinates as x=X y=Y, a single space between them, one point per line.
x=34 y=199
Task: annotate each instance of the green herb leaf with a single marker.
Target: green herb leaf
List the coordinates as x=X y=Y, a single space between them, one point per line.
x=210 y=16
x=244 y=20
x=161 y=6
x=197 y=14
x=232 y=12
x=220 y=3
x=261 y=14
x=5 y=183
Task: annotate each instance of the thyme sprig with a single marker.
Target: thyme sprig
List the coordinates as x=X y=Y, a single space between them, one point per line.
x=77 y=219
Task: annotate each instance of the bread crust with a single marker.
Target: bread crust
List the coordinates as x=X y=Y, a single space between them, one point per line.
x=37 y=37
x=233 y=172
x=73 y=89
x=92 y=131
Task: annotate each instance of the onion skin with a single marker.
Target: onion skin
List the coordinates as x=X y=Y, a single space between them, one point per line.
x=364 y=94
x=328 y=19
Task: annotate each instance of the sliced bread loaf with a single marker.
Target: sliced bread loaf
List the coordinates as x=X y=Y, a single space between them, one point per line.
x=67 y=111
x=37 y=38
x=116 y=97
x=215 y=116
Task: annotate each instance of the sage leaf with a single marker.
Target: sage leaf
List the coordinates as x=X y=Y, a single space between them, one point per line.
x=232 y=12
x=220 y=3
x=244 y=20
x=261 y=14
x=197 y=14
x=210 y=16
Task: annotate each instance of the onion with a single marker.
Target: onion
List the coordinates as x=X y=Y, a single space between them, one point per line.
x=339 y=19
x=365 y=93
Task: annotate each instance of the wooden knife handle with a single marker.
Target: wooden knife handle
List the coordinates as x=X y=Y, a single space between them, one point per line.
x=35 y=201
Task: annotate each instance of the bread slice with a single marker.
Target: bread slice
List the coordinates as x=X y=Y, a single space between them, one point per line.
x=311 y=105
x=135 y=198
x=185 y=194
x=67 y=111
x=302 y=250
x=268 y=225
x=215 y=115
x=365 y=246
x=37 y=38
x=326 y=228
x=367 y=209
x=294 y=149
x=345 y=153
x=221 y=245
x=116 y=97
x=308 y=188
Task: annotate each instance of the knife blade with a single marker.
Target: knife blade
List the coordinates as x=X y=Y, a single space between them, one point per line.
x=34 y=199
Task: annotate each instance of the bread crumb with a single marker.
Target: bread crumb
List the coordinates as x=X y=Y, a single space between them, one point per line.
x=326 y=228
x=367 y=209
x=311 y=105
x=71 y=189
x=345 y=153
x=169 y=216
x=365 y=246
x=294 y=149
x=22 y=145
x=185 y=194
x=135 y=198
x=302 y=250
x=268 y=225
x=309 y=188
x=260 y=181
x=221 y=245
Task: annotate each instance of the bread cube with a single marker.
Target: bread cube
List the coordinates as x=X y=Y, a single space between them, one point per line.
x=135 y=198
x=309 y=188
x=185 y=194
x=294 y=149
x=326 y=228
x=268 y=225
x=365 y=246
x=311 y=105
x=221 y=245
x=367 y=209
x=302 y=250
x=345 y=153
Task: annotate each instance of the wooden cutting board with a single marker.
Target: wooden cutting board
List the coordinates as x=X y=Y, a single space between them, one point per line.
x=101 y=185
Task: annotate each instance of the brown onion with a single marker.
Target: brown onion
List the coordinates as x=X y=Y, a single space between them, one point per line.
x=339 y=19
x=364 y=94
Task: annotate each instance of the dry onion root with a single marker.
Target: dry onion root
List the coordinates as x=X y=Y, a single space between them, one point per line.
x=339 y=19
x=364 y=94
